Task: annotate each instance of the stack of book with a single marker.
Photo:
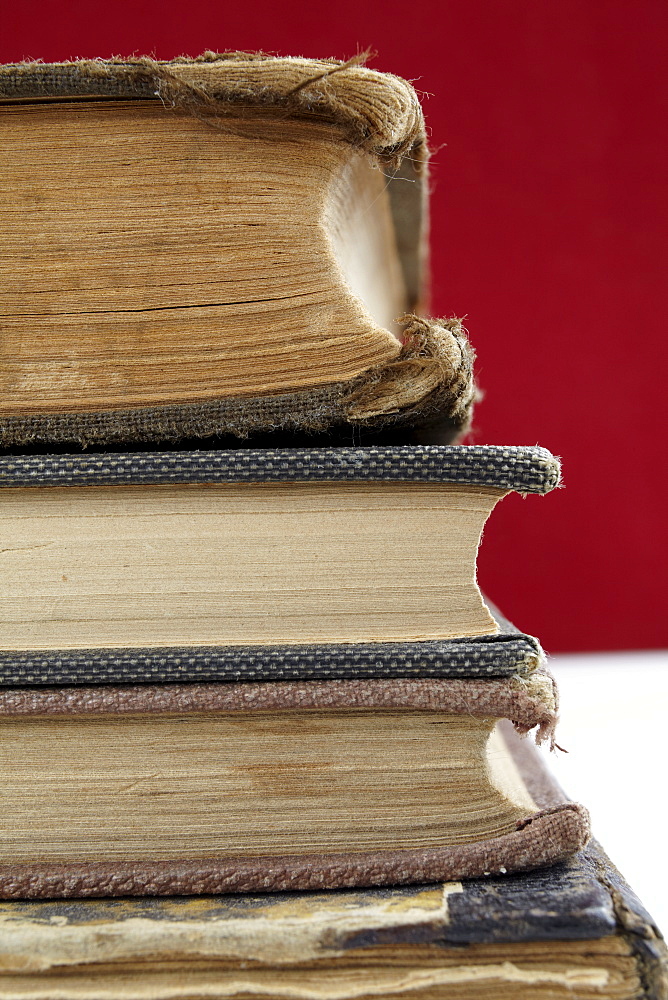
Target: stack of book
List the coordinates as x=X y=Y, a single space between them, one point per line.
x=248 y=683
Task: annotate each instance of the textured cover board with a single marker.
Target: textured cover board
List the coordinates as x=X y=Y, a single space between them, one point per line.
x=555 y=831
x=527 y=470
x=581 y=899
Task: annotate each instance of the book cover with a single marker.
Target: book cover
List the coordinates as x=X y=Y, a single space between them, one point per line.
x=536 y=825
x=482 y=647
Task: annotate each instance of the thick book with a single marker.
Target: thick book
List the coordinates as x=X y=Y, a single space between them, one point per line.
x=574 y=930
x=188 y=789
x=232 y=244
x=255 y=564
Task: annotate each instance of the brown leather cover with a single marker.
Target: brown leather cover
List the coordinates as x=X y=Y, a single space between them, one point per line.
x=556 y=831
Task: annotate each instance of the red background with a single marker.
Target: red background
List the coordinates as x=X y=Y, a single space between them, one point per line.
x=546 y=228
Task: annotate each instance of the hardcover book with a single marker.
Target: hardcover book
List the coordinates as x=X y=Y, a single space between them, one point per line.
x=188 y=789
x=574 y=930
x=226 y=245
x=246 y=564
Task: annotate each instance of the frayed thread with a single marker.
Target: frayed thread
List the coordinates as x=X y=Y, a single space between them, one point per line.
x=433 y=371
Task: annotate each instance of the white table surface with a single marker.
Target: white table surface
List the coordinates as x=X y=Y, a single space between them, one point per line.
x=614 y=724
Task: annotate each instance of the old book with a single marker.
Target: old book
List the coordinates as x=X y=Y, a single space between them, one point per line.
x=225 y=245
x=186 y=553
x=191 y=788
x=574 y=931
